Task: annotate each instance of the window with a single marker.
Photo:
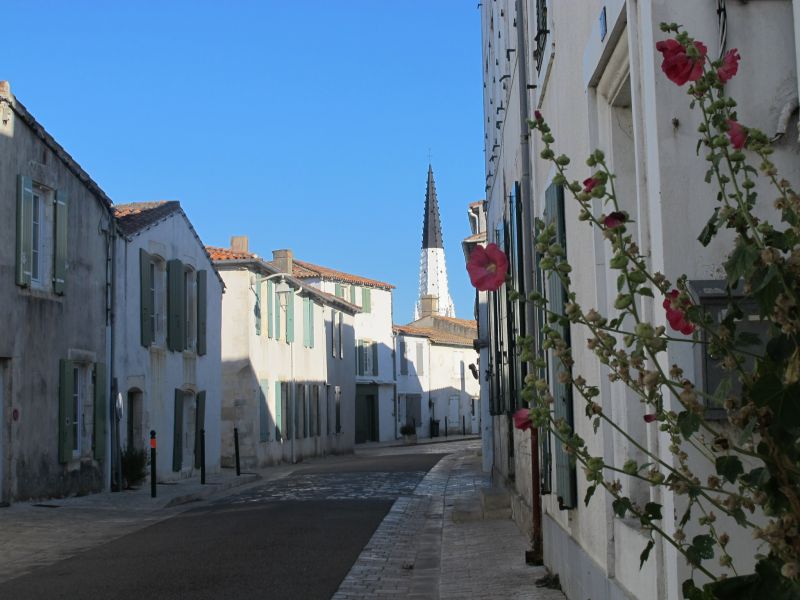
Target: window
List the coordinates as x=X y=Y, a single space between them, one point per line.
x=37 y=220
x=334 y=342
x=367 y=358
x=541 y=33
x=81 y=417
x=401 y=350
x=263 y=411
x=76 y=408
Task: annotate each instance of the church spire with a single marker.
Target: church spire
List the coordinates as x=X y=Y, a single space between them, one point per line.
x=433 y=293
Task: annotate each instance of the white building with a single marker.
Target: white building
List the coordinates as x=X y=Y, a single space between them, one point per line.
x=288 y=362
x=168 y=300
x=375 y=413
x=593 y=71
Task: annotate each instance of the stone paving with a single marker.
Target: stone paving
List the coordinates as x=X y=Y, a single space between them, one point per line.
x=419 y=552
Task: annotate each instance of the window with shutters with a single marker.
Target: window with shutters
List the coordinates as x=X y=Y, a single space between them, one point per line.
x=340 y=328
x=76 y=407
x=334 y=329
x=367 y=355
x=190 y=308
x=41 y=232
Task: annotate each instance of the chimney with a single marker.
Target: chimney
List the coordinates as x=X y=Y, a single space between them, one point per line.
x=283 y=260
x=428 y=305
x=239 y=244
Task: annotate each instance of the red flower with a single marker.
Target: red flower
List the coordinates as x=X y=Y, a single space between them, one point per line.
x=537 y=116
x=730 y=65
x=589 y=184
x=676 y=316
x=678 y=66
x=615 y=219
x=487 y=267
x=522 y=419
x=649 y=418
x=736 y=133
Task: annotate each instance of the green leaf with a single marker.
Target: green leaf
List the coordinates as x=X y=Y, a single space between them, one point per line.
x=766 y=288
x=767 y=390
x=645 y=553
x=589 y=492
x=729 y=467
x=645 y=292
x=788 y=413
x=688 y=423
x=620 y=282
x=702 y=548
x=780 y=348
x=710 y=230
x=621 y=506
x=758 y=477
x=740 y=262
x=653 y=511
x=692 y=592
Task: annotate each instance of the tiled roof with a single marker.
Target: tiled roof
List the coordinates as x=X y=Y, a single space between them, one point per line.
x=436 y=336
x=476 y=237
x=476 y=203
x=472 y=323
x=136 y=216
x=306 y=270
x=220 y=254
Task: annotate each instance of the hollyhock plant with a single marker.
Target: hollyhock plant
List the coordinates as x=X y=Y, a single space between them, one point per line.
x=522 y=419
x=678 y=66
x=589 y=184
x=487 y=267
x=730 y=65
x=615 y=219
x=676 y=316
x=649 y=418
x=736 y=134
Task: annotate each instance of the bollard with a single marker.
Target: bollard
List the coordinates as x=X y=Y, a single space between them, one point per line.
x=202 y=456
x=236 y=449
x=152 y=463
x=445 y=427
x=463 y=425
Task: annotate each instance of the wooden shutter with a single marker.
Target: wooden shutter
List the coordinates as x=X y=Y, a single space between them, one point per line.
x=278 y=317
x=333 y=332
x=290 y=318
x=146 y=308
x=263 y=410
x=66 y=384
x=176 y=307
x=24 y=258
x=100 y=411
x=374 y=358
x=420 y=359
x=60 y=250
x=366 y=299
x=199 y=425
x=177 y=432
x=360 y=360
x=257 y=309
x=278 y=412
x=305 y=322
x=566 y=484
x=403 y=358
x=339 y=290
x=352 y=294
x=291 y=398
x=270 y=302
x=310 y=323
x=545 y=463
x=202 y=311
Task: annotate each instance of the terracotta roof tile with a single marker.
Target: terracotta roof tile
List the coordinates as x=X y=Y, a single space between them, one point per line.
x=306 y=270
x=476 y=203
x=136 y=216
x=434 y=335
x=221 y=254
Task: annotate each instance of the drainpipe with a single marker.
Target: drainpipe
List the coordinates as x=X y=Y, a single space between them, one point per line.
x=796 y=11
x=113 y=462
x=527 y=262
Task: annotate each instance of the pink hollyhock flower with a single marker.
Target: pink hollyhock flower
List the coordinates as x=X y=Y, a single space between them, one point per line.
x=678 y=66
x=677 y=316
x=730 y=65
x=589 y=184
x=649 y=418
x=615 y=219
x=537 y=116
x=487 y=267
x=522 y=419
x=736 y=133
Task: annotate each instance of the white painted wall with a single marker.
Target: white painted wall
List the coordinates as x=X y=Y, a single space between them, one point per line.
x=156 y=371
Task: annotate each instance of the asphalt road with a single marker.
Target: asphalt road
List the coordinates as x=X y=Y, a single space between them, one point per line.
x=292 y=538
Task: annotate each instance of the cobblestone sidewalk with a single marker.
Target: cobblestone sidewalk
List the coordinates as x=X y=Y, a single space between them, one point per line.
x=419 y=552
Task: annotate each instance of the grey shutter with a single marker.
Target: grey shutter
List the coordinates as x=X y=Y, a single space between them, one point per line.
x=199 y=426
x=24 y=222
x=263 y=410
x=366 y=299
x=420 y=359
x=146 y=308
x=66 y=383
x=279 y=412
x=374 y=358
x=403 y=358
x=352 y=294
x=60 y=251
x=270 y=302
x=339 y=290
x=177 y=432
x=290 y=318
x=176 y=306
x=360 y=366
x=305 y=322
x=278 y=316
x=100 y=411
x=566 y=484
x=257 y=308
x=202 y=311
x=310 y=323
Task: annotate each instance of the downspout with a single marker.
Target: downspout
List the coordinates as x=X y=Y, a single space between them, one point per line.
x=796 y=11
x=527 y=263
x=112 y=452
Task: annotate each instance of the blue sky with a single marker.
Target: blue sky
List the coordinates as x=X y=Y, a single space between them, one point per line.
x=304 y=125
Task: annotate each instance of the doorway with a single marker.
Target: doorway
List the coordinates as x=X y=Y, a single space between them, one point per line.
x=134 y=433
x=366 y=414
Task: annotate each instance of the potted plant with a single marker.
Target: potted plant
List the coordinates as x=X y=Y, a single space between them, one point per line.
x=409 y=433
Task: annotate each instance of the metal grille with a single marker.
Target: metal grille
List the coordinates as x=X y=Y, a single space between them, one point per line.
x=541 y=33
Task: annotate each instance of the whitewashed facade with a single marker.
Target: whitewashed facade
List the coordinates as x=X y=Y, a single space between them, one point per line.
x=593 y=71
x=288 y=363
x=168 y=305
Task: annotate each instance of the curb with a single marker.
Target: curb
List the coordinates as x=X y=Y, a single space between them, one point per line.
x=240 y=480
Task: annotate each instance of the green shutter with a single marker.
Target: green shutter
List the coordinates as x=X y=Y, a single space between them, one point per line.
x=263 y=410
x=177 y=432
x=374 y=358
x=146 y=307
x=566 y=482
x=202 y=311
x=257 y=309
x=100 y=410
x=310 y=323
x=270 y=300
x=290 y=400
x=24 y=230
x=352 y=294
x=290 y=318
x=199 y=425
x=60 y=254
x=339 y=290
x=66 y=383
x=366 y=299
x=278 y=412
x=305 y=322
x=278 y=316
x=176 y=306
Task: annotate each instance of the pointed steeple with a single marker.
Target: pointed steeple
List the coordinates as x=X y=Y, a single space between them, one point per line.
x=433 y=293
x=431 y=226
